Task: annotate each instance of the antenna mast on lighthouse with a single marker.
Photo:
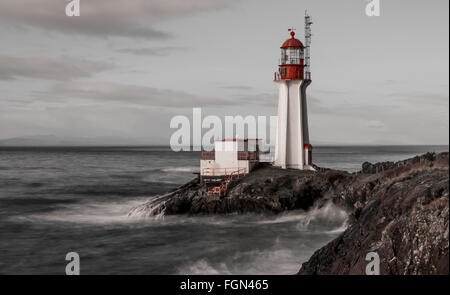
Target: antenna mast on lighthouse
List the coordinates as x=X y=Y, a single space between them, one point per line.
x=307 y=68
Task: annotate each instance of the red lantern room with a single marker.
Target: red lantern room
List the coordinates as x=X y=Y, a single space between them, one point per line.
x=292 y=60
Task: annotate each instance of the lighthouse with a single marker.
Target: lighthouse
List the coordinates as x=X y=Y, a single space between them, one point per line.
x=293 y=148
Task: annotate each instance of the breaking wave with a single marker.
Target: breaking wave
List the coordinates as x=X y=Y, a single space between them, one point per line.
x=297 y=235
x=180 y=169
x=270 y=261
x=155 y=208
x=328 y=218
x=83 y=213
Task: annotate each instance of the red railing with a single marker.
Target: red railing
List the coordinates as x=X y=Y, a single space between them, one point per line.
x=223 y=171
x=208 y=155
x=251 y=156
x=317 y=163
x=223 y=187
x=276 y=76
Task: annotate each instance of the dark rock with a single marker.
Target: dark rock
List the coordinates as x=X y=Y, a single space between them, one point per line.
x=266 y=190
x=404 y=219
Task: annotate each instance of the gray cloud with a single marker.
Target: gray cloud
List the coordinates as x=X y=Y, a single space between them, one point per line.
x=270 y=100
x=131 y=18
x=47 y=68
x=152 y=51
x=427 y=98
x=237 y=87
x=130 y=95
x=133 y=124
x=375 y=124
x=349 y=109
x=266 y=99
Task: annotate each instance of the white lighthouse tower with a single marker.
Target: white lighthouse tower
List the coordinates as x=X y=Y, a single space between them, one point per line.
x=293 y=149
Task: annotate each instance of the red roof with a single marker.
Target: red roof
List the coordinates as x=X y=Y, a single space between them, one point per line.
x=308 y=146
x=292 y=42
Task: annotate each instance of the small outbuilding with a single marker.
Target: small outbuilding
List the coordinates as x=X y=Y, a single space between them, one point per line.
x=231 y=159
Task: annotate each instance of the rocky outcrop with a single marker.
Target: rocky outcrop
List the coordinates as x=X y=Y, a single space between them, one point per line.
x=266 y=190
x=369 y=168
x=401 y=213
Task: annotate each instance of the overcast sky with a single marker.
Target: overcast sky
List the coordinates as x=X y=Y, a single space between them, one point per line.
x=125 y=68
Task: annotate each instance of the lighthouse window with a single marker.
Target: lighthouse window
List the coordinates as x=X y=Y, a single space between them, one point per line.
x=293 y=55
x=284 y=57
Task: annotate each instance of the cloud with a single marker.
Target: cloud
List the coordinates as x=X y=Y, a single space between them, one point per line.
x=426 y=98
x=266 y=99
x=237 y=87
x=375 y=124
x=47 y=68
x=330 y=91
x=152 y=51
x=270 y=99
x=130 y=95
x=348 y=109
x=87 y=121
x=130 y=18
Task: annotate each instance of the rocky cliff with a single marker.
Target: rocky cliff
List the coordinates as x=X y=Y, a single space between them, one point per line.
x=401 y=213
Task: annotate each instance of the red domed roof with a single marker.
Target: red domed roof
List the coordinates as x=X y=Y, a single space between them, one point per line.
x=292 y=42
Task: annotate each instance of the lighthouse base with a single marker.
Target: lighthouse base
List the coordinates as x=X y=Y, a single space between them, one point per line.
x=298 y=167
x=293 y=149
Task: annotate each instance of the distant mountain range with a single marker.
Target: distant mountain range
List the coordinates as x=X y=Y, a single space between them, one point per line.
x=53 y=140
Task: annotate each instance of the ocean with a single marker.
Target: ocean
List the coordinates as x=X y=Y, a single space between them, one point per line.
x=55 y=200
